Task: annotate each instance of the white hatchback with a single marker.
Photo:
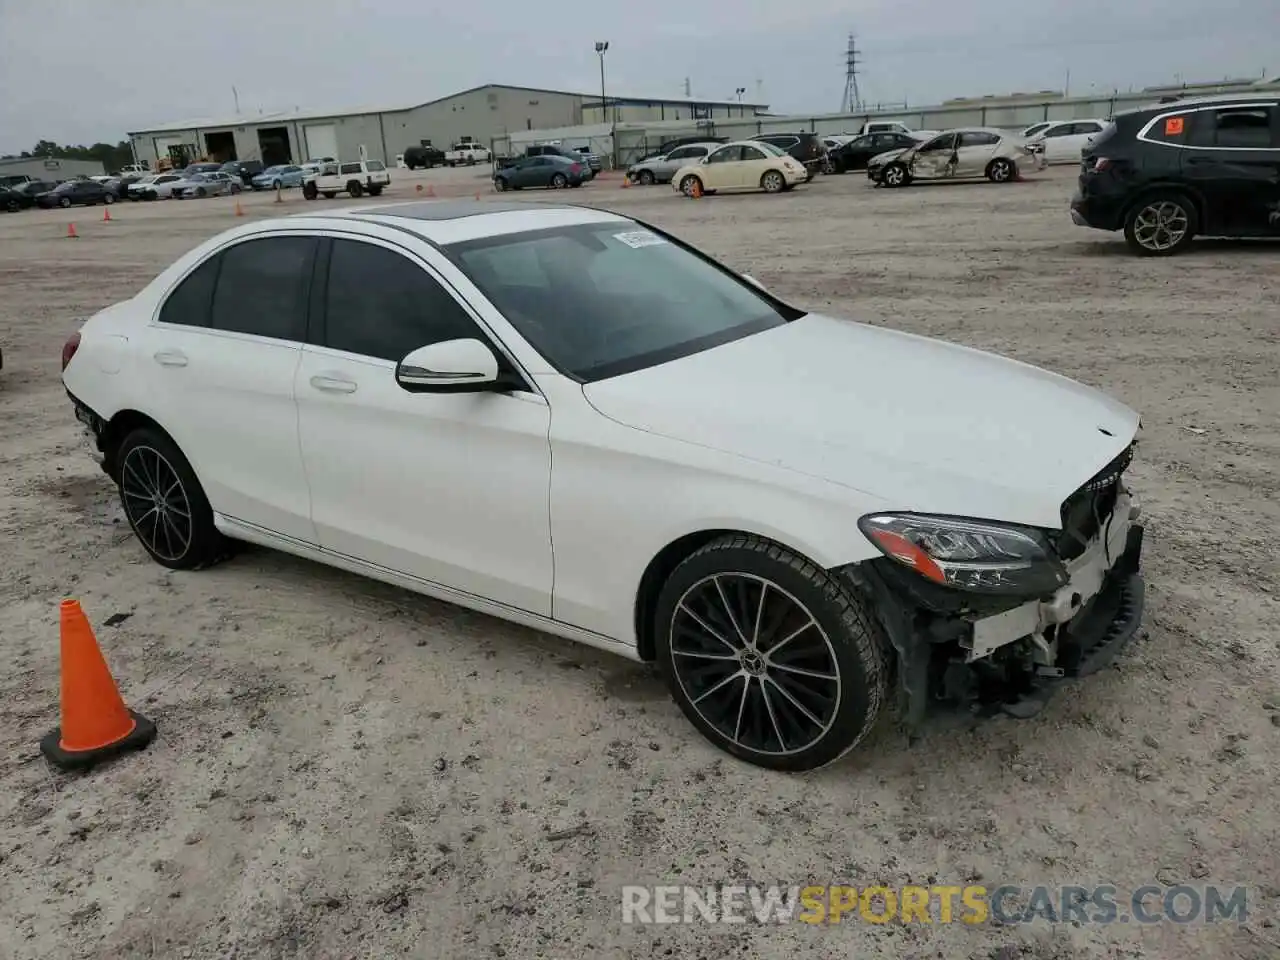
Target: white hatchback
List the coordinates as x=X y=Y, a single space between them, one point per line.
x=575 y=421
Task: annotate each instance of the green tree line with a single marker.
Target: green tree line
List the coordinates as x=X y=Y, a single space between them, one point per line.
x=111 y=157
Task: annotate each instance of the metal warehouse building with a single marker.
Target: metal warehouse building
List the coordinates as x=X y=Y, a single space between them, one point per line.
x=481 y=114
x=49 y=168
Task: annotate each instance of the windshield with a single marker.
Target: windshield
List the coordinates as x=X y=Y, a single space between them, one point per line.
x=600 y=300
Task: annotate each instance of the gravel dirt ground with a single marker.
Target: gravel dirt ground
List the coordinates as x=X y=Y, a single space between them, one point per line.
x=345 y=770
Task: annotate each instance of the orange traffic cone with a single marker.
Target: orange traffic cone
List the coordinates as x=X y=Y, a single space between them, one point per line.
x=431 y=190
x=696 y=192
x=418 y=188
x=106 y=214
x=626 y=182
x=71 y=231
x=239 y=209
x=95 y=722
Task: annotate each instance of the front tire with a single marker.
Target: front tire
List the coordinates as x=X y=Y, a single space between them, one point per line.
x=773 y=182
x=896 y=175
x=355 y=188
x=559 y=181
x=691 y=186
x=774 y=660
x=647 y=178
x=164 y=502
x=64 y=202
x=499 y=184
x=108 y=198
x=1161 y=224
x=309 y=191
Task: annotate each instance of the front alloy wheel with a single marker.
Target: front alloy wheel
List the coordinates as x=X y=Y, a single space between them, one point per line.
x=895 y=175
x=772 y=182
x=772 y=659
x=1000 y=171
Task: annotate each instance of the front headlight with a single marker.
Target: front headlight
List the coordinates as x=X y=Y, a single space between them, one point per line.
x=976 y=555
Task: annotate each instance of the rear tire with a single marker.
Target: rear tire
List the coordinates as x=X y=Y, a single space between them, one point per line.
x=166 y=507
x=1001 y=170
x=355 y=188
x=559 y=181
x=500 y=184
x=647 y=178
x=773 y=659
x=1161 y=224
x=108 y=198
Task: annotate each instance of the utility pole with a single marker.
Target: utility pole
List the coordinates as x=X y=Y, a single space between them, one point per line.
x=236 y=95
x=602 y=47
x=852 y=100
x=688 y=89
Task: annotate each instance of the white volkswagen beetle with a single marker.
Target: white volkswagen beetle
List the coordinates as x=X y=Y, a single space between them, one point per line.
x=577 y=422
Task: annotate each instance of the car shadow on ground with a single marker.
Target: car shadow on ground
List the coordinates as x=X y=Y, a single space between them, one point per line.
x=1208 y=245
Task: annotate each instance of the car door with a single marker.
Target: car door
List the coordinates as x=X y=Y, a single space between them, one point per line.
x=975 y=149
x=665 y=168
x=934 y=159
x=718 y=172
x=1233 y=160
x=221 y=355
x=449 y=488
x=750 y=168
x=1059 y=140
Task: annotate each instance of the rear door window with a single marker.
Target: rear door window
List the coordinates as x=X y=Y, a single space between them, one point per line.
x=978 y=138
x=262 y=288
x=189 y=302
x=1246 y=128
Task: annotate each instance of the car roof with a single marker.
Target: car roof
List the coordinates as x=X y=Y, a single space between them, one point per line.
x=455 y=221
x=1208 y=100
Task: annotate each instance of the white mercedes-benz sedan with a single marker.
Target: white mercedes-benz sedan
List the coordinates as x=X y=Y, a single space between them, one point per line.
x=575 y=421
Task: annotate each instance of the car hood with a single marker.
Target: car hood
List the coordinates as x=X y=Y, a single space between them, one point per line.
x=908 y=422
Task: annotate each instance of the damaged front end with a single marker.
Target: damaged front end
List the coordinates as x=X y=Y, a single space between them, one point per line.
x=994 y=617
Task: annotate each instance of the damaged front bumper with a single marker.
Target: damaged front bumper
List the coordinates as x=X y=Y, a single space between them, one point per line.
x=960 y=650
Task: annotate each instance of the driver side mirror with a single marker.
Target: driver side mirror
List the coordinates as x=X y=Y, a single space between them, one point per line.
x=453 y=366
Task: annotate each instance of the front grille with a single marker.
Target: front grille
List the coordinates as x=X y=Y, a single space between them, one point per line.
x=1085 y=512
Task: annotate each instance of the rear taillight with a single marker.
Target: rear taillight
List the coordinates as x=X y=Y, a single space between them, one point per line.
x=69 y=348
x=575 y=168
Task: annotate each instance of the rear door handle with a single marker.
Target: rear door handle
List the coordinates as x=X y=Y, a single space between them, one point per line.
x=171 y=358
x=333 y=383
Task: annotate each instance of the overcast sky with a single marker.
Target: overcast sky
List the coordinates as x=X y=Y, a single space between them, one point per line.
x=77 y=71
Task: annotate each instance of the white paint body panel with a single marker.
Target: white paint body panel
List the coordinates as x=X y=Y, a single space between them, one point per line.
x=546 y=505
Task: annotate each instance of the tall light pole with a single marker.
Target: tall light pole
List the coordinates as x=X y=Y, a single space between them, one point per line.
x=738 y=93
x=602 y=47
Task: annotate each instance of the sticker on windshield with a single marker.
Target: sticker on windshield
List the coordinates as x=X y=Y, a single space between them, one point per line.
x=639 y=238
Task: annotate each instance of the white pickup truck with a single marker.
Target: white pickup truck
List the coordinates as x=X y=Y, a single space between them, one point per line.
x=466 y=154
x=356 y=178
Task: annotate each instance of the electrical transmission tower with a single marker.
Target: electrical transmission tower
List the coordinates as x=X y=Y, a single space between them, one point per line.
x=852 y=101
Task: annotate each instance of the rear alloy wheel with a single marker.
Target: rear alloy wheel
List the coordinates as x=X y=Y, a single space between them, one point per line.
x=559 y=181
x=773 y=659
x=691 y=186
x=1161 y=225
x=64 y=202
x=896 y=175
x=1001 y=170
x=773 y=182
x=355 y=188
x=200 y=192
x=165 y=503
x=108 y=198
x=647 y=178
x=499 y=184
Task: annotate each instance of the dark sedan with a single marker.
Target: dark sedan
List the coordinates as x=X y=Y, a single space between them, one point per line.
x=855 y=154
x=547 y=171
x=76 y=193
x=11 y=201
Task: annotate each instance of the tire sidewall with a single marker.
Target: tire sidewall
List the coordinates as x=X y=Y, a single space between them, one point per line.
x=1172 y=196
x=998 y=164
x=901 y=168
x=647 y=178
x=207 y=545
x=775 y=178
x=559 y=181
x=687 y=184
x=852 y=631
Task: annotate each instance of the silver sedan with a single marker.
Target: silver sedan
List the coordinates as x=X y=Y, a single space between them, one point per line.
x=662 y=168
x=206 y=185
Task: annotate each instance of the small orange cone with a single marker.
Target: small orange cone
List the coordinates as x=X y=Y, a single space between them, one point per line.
x=95 y=722
x=106 y=214
x=626 y=182
x=419 y=188
x=71 y=231
x=239 y=209
x=431 y=190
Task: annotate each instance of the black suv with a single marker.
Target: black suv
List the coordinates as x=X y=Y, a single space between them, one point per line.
x=425 y=156
x=805 y=147
x=1163 y=174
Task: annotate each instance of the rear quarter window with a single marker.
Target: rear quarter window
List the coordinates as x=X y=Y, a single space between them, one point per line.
x=1170 y=128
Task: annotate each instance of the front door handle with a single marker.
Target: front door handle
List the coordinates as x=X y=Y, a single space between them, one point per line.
x=171 y=358
x=333 y=383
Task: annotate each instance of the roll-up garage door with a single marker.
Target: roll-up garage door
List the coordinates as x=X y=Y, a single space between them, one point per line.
x=322 y=141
